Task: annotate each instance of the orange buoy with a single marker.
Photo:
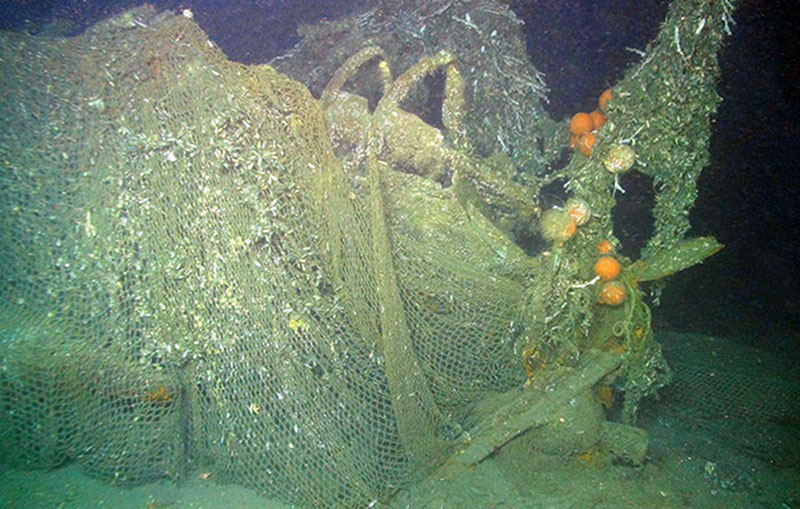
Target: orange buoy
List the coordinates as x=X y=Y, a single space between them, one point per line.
x=586 y=142
x=612 y=293
x=598 y=119
x=581 y=123
x=605 y=97
x=605 y=247
x=607 y=267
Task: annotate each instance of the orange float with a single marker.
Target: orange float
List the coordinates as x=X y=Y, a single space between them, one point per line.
x=586 y=142
x=607 y=267
x=581 y=123
x=605 y=97
x=598 y=119
x=605 y=247
x=612 y=293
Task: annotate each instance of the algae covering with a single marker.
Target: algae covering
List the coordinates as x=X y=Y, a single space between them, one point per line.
x=209 y=269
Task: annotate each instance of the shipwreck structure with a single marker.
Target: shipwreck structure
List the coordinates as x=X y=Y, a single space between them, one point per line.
x=322 y=277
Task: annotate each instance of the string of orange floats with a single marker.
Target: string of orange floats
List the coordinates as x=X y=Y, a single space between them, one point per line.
x=583 y=126
x=559 y=225
x=607 y=268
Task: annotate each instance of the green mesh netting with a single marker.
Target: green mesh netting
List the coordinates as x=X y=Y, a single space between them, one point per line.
x=504 y=91
x=193 y=279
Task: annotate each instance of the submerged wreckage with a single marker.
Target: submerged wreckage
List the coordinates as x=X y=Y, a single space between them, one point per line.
x=209 y=268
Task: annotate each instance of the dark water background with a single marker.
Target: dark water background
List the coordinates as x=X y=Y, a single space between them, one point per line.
x=748 y=195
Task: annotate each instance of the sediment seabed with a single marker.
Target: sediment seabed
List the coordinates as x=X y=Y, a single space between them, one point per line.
x=724 y=434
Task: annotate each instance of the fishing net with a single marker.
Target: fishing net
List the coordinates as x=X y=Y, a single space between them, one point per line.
x=206 y=267
x=506 y=94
